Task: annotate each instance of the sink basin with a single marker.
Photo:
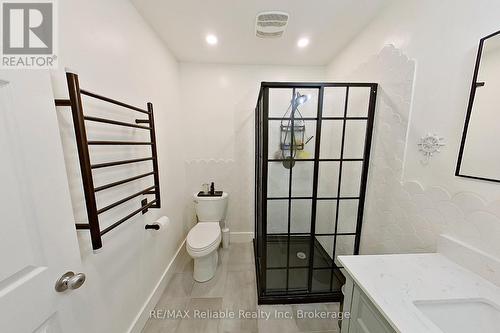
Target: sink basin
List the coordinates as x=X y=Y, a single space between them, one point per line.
x=462 y=315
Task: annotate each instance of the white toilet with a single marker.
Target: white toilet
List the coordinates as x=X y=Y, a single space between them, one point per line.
x=204 y=238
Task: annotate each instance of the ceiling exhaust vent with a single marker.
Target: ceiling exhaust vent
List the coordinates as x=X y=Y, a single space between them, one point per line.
x=271 y=24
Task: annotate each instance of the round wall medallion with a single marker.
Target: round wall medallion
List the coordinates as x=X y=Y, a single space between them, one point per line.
x=430 y=144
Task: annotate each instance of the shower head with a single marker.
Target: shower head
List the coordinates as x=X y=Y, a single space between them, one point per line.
x=301 y=99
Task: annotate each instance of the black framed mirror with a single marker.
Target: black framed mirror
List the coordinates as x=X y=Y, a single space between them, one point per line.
x=479 y=155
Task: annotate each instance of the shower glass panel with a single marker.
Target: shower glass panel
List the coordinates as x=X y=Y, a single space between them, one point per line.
x=312 y=153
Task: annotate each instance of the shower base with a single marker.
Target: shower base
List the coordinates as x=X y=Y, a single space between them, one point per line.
x=290 y=274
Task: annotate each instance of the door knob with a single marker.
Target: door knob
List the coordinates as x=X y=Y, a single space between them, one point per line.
x=70 y=280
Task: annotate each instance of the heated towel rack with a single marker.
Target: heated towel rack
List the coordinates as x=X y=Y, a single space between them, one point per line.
x=86 y=166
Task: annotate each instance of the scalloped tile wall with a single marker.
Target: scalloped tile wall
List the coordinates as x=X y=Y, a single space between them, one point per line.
x=403 y=216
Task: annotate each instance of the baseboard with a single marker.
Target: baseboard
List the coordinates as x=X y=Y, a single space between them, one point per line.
x=241 y=237
x=143 y=315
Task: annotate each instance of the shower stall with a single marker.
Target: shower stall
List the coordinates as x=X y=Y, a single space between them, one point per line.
x=311 y=165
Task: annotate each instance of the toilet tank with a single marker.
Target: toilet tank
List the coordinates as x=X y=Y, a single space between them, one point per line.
x=211 y=209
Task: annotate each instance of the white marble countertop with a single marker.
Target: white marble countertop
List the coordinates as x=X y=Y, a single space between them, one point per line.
x=394 y=282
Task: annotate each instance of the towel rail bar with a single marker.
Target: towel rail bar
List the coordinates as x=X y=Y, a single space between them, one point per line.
x=135 y=212
x=86 y=168
x=112 y=101
x=120 y=143
x=123 y=181
x=121 y=201
x=110 y=164
x=114 y=122
x=62 y=102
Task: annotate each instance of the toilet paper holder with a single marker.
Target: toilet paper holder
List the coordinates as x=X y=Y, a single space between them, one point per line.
x=162 y=222
x=152 y=226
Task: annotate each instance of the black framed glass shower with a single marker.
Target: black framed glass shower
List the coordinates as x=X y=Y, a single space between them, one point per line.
x=311 y=165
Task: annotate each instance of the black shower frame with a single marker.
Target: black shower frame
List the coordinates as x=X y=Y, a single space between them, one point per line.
x=261 y=165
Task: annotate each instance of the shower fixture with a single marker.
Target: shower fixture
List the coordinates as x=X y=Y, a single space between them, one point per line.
x=301 y=99
x=293 y=130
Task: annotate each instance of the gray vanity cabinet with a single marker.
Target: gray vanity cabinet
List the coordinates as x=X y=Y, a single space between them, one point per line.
x=364 y=316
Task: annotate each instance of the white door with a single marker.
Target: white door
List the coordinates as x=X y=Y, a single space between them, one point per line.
x=38 y=241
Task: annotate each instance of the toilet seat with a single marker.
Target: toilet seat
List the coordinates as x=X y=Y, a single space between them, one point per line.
x=203 y=238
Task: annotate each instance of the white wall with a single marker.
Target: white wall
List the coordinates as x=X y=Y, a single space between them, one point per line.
x=438 y=36
x=117 y=54
x=218 y=103
x=422 y=200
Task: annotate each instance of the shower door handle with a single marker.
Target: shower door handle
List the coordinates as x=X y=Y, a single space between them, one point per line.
x=69 y=280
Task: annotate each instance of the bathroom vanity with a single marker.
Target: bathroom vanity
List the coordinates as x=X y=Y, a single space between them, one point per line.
x=364 y=315
x=455 y=290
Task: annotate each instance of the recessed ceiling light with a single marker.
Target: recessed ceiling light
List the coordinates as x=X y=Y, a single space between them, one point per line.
x=303 y=42
x=211 y=39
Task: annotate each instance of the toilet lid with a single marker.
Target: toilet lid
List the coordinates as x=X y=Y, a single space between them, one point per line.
x=203 y=235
